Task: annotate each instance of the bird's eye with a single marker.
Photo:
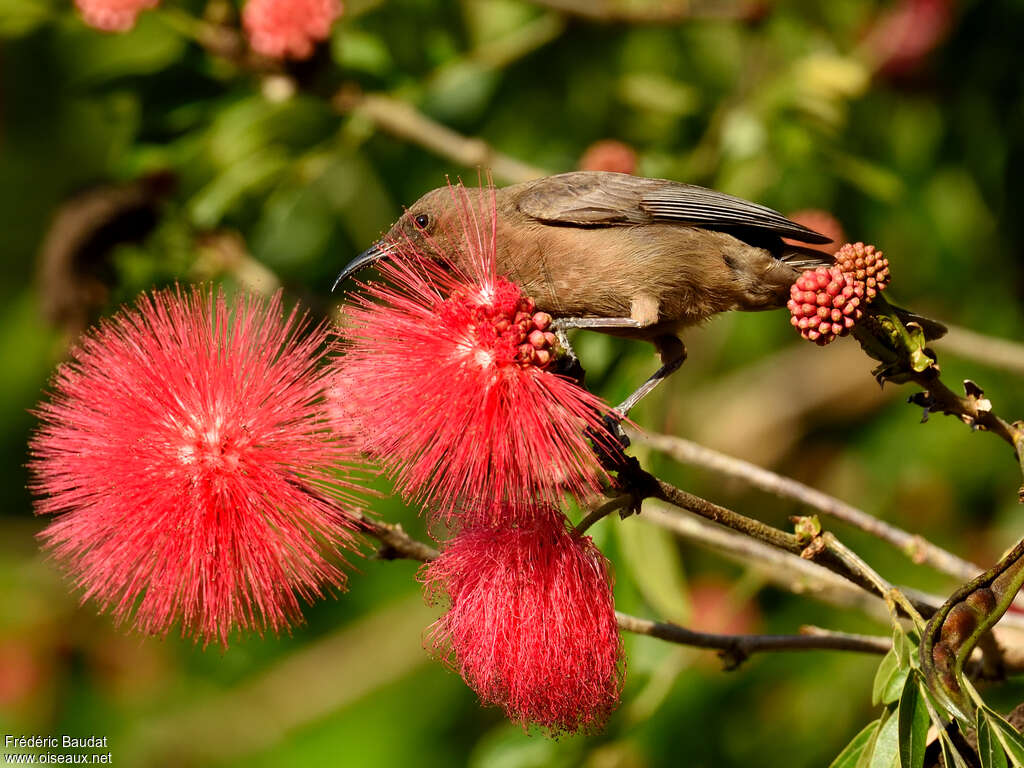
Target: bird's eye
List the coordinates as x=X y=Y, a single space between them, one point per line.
x=422 y=221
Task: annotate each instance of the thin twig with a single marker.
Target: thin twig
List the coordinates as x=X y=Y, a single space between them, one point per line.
x=602 y=511
x=735 y=649
x=917 y=548
x=893 y=597
x=645 y=485
x=988 y=350
x=404 y=121
x=664 y=12
x=396 y=543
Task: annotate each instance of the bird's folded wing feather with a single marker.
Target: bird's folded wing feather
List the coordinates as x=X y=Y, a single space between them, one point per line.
x=592 y=199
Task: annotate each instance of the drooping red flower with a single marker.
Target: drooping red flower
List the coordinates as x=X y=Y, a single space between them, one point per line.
x=825 y=304
x=452 y=384
x=112 y=15
x=185 y=452
x=609 y=155
x=531 y=621
x=288 y=28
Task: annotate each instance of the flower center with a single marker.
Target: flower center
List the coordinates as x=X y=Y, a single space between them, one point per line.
x=498 y=326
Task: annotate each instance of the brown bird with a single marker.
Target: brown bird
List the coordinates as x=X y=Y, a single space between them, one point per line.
x=628 y=256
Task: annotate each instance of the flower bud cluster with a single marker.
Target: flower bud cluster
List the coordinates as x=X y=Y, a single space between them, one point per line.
x=866 y=265
x=825 y=304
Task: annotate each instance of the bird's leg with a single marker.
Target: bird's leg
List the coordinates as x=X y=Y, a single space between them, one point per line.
x=598 y=322
x=673 y=355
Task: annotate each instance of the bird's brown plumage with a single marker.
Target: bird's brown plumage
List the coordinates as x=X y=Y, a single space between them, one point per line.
x=609 y=245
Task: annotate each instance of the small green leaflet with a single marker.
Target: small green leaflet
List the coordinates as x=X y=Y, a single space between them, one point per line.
x=913 y=724
x=990 y=750
x=889 y=679
x=851 y=755
x=1007 y=735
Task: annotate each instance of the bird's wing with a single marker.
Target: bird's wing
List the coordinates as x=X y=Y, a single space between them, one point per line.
x=594 y=198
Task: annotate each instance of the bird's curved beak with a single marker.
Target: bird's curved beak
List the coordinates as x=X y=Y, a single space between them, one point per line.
x=374 y=253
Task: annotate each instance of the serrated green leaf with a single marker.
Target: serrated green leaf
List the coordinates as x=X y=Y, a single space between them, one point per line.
x=990 y=750
x=886 y=753
x=650 y=555
x=889 y=680
x=852 y=753
x=913 y=725
x=1008 y=736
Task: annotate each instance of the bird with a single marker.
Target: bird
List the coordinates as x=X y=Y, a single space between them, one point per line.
x=620 y=254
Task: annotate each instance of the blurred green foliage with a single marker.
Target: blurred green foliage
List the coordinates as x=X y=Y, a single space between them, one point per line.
x=263 y=181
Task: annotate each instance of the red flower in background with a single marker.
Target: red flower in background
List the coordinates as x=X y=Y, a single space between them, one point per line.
x=903 y=36
x=288 y=28
x=531 y=624
x=450 y=381
x=609 y=155
x=185 y=451
x=112 y=15
x=819 y=221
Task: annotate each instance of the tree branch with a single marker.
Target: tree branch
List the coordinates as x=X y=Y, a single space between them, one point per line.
x=663 y=12
x=988 y=350
x=404 y=121
x=735 y=649
x=824 y=550
x=917 y=548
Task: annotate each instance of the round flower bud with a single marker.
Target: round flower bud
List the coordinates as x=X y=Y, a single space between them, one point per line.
x=825 y=304
x=866 y=265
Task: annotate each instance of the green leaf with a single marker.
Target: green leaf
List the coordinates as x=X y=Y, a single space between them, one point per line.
x=150 y=47
x=650 y=555
x=950 y=756
x=886 y=753
x=852 y=753
x=889 y=679
x=990 y=750
x=913 y=725
x=1008 y=736
x=19 y=17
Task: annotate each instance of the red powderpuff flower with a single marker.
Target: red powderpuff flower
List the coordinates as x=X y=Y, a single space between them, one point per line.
x=185 y=452
x=451 y=385
x=531 y=624
x=112 y=15
x=288 y=28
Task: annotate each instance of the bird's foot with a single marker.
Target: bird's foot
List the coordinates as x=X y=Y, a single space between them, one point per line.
x=610 y=442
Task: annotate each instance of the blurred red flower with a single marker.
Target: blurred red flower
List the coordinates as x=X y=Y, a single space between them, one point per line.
x=112 y=15
x=609 y=155
x=185 y=451
x=531 y=622
x=902 y=36
x=288 y=28
x=449 y=378
x=820 y=221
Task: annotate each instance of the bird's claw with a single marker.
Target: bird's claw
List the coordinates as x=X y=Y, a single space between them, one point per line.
x=610 y=442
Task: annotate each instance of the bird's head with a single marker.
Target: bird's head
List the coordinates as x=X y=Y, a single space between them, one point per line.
x=444 y=225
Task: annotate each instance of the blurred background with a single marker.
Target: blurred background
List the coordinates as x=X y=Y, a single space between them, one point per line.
x=171 y=154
